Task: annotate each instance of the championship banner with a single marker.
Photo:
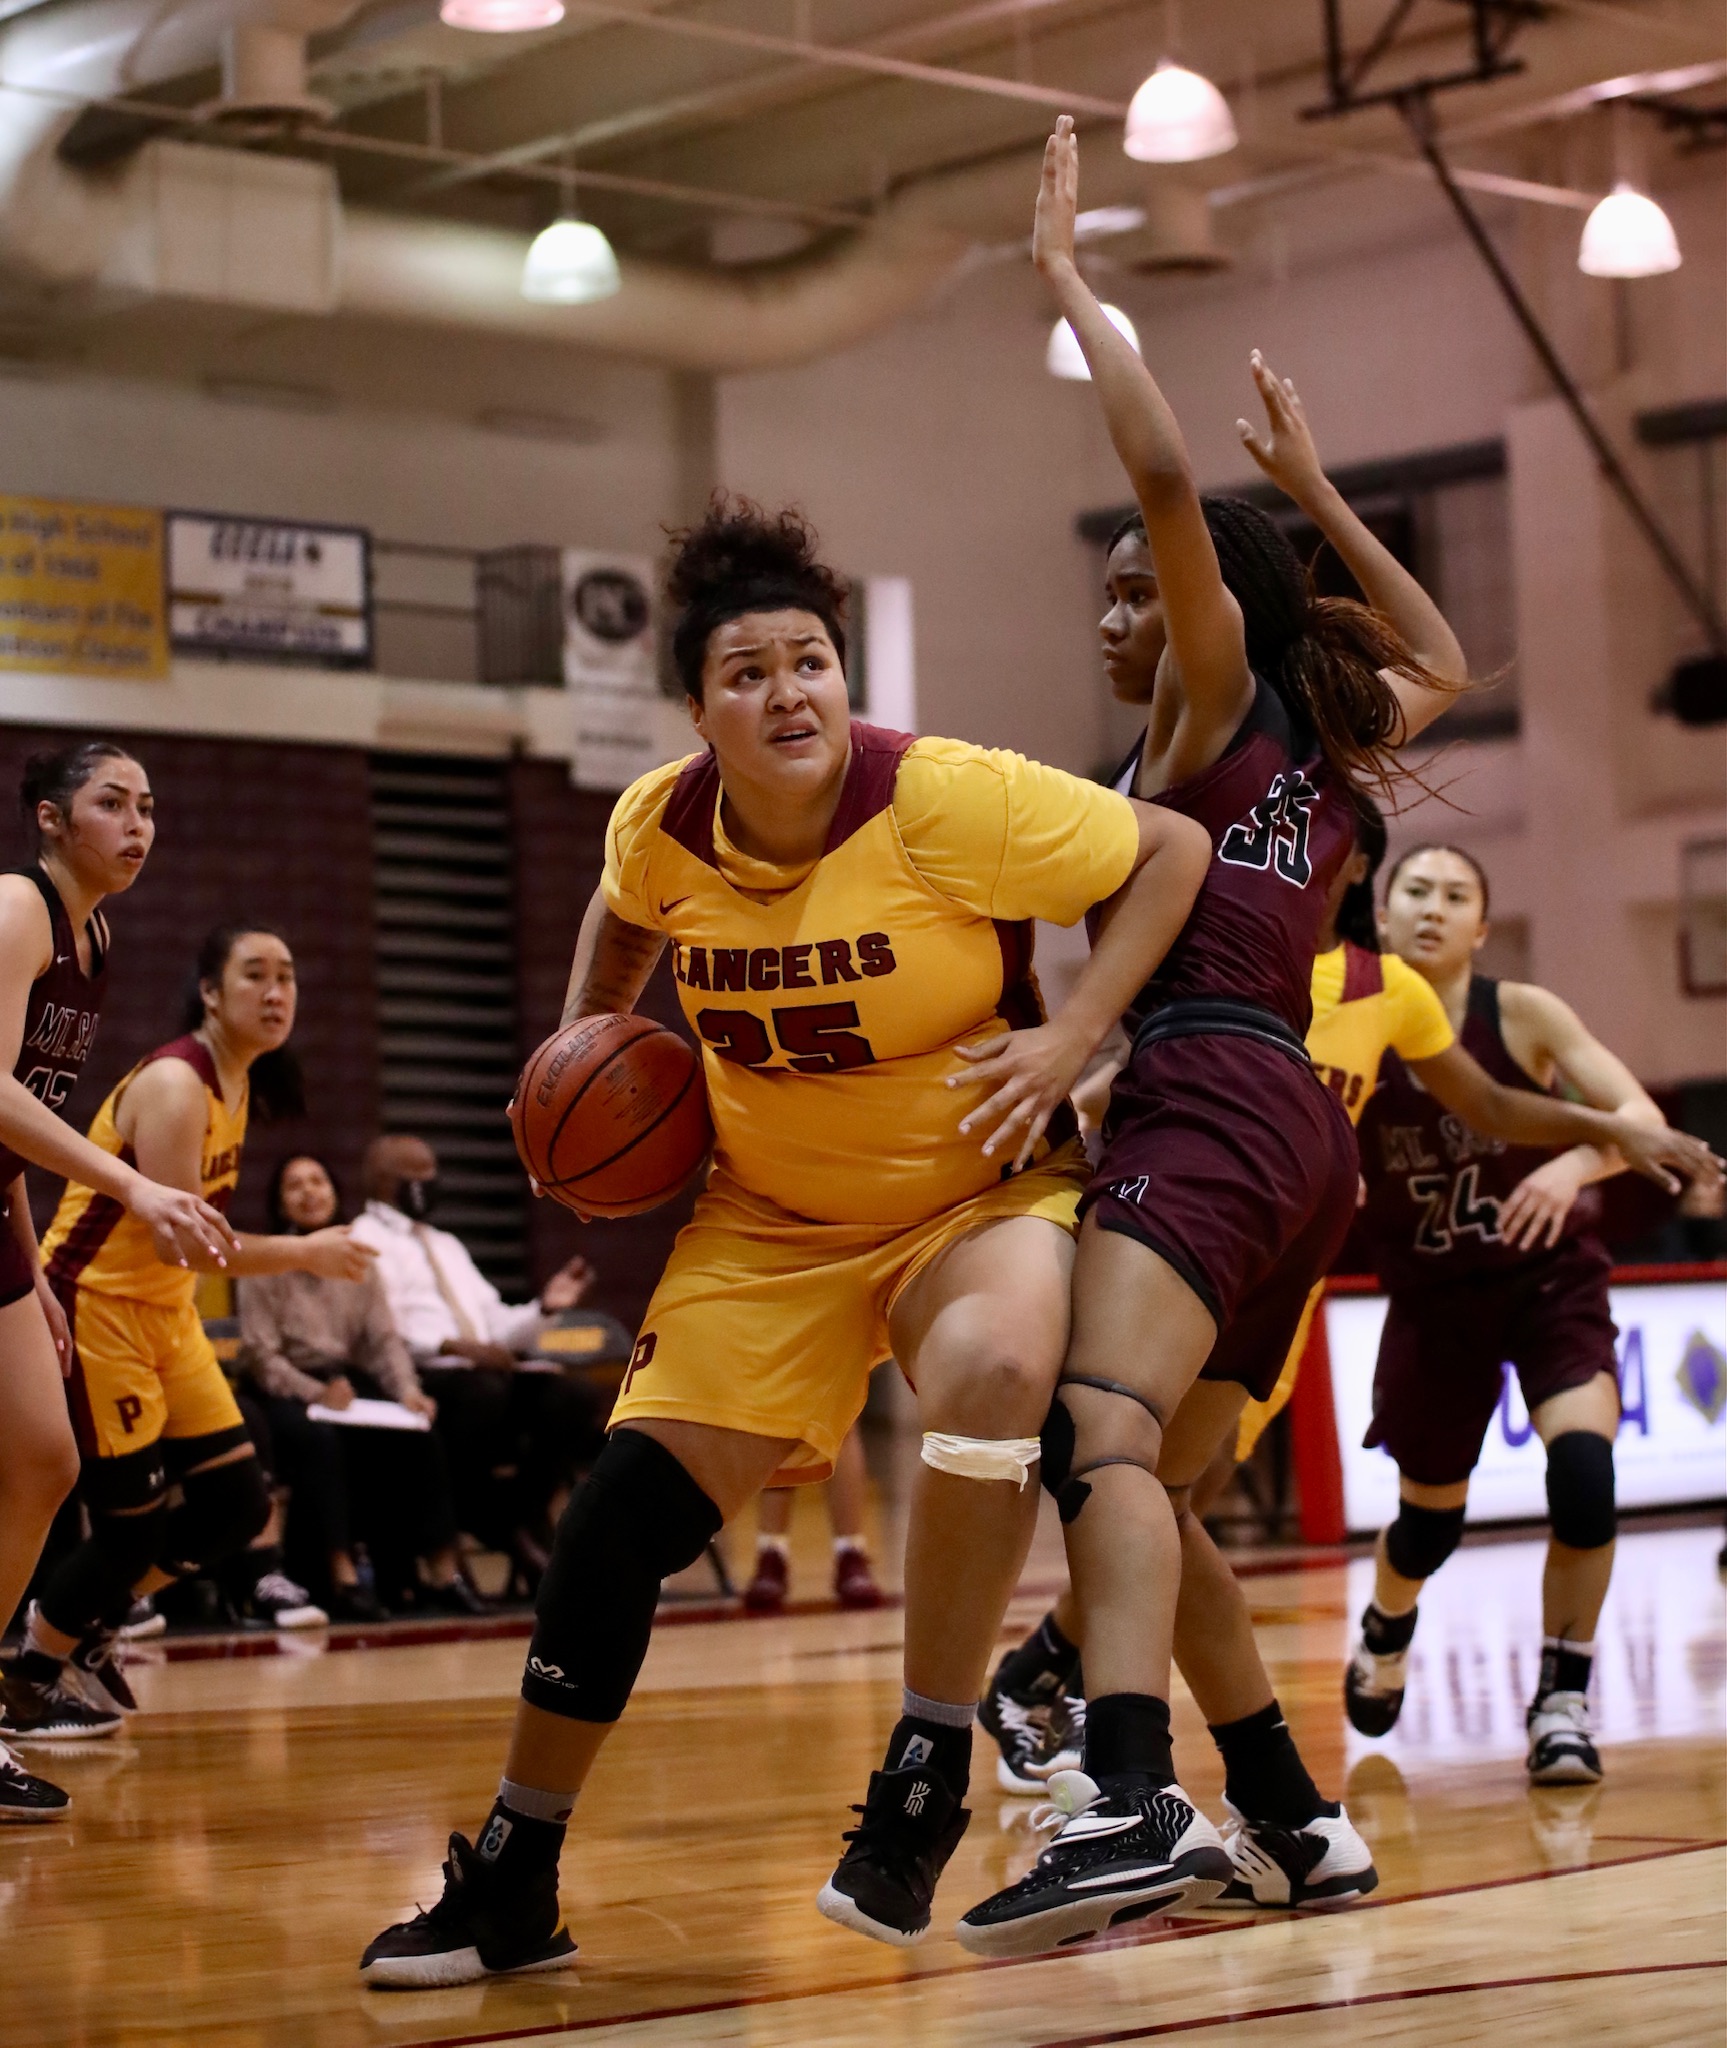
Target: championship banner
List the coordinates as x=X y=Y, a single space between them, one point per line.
x=611 y=668
x=1672 y=1444
x=270 y=590
x=81 y=589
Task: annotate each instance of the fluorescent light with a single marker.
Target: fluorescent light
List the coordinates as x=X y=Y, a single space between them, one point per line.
x=1064 y=356
x=570 y=264
x=1627 y=236
x=1177 y=117
x=1108 y=220
x=501 y=17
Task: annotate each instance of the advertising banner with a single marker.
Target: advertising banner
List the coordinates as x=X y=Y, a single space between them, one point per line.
x=1672 y=1445
x=81 y=589
x=611 y=667
x=268 y=590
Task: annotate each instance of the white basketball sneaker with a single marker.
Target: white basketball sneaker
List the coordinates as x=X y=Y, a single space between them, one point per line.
x=1561 y=1745
x=1325 y=1863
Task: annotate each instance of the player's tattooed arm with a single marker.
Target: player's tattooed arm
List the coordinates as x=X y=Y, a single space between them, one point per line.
x=612 y=964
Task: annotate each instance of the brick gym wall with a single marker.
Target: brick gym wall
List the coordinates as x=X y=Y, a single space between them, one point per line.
x=244 y=829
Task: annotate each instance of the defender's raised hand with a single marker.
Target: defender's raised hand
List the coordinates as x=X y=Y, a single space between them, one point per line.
x=1057 y=199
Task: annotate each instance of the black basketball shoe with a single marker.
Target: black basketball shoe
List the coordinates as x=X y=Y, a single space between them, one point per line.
x=479 y=1928
x=25 y=1798
x=1120 y=1856
x=1373 y=1690
x=908 y=1827
x=52 y=1713
x=1025 y=1731
x=93 y=1672
x=1325 y=1863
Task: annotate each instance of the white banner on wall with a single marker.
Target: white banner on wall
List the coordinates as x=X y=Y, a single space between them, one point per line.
x=611 y=668
x=1672 y=1445
x=264 y=588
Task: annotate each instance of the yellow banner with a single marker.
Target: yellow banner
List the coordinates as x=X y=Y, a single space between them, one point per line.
x=81 y=589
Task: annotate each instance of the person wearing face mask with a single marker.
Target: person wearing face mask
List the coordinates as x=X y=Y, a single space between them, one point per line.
x=312 y=1341
x=515 y=1436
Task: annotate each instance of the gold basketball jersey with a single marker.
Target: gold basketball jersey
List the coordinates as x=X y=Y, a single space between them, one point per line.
x=93 y=1242
x=828 y=1000
x=1363 y=1004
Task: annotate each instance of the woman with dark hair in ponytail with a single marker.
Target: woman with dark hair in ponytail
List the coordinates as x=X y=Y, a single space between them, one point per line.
x=150 y=1405
x=88 y=821
x=1228 y=1176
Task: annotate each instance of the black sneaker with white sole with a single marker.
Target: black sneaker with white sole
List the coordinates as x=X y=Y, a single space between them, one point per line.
x=1373 y=1690
x=93 y=1672
x=908 y=1827
x=1121 y=1855
x=1325 y=1863
x=25 y=1799
x=1561 y=1742
x=52 y=1713
x=479 y=1928
x=1025 y=1732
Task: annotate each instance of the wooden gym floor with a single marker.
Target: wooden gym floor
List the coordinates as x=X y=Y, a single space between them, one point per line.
x=234 y=1849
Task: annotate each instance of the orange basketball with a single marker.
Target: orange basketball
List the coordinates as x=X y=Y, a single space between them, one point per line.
x=611 y=1115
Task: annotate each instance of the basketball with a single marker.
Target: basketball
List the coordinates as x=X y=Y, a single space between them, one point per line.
x=610 y=1115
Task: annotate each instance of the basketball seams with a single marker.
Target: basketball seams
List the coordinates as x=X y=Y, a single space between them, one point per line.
x=640 y=1137
x=617 y=1053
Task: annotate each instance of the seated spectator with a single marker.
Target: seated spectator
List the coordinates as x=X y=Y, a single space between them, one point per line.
x=310 y=1342
x=517 y=1433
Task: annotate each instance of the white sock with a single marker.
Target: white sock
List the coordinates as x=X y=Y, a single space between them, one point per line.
x=844 y=1543
x=779 y=1545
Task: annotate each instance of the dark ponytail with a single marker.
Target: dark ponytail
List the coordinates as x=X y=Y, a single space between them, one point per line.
x=277 y=1084
x=56 y=778
x=1355 y=920
x=1322 y=655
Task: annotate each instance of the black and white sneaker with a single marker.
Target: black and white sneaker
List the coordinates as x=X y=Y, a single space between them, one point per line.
x=280 y=1602
x=142 y=1621
x=1120 y=1856
x=93 y=1672
x=1561 y=1742
x=1025 y=1733
x=1373 y=1690
x=479 y=1928
x=52 y=1713
x=908 y=1827
x=25 y=1799
x=1325 y=1863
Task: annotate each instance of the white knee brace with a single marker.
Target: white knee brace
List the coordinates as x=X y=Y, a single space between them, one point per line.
x=982 y=1457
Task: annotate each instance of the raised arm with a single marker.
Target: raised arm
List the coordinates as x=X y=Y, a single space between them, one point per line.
x=1286 y=453
x=612 y=964
x=1202 y=619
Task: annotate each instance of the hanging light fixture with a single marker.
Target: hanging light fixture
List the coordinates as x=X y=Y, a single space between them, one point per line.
x=1178 y=117
x=570 y=264
x=501 y=17
x=1627 y=235
x=1065 y=358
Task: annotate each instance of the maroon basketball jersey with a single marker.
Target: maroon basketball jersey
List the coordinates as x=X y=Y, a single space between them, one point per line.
x=1280 y=829
x=61 y=1015
x=1434 y=1186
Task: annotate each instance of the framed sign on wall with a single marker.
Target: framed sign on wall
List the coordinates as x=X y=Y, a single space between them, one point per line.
x=81 y=589
x=269 y=590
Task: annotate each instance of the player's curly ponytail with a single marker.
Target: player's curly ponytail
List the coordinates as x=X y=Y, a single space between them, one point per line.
x=742 y=559
x=1355 y=920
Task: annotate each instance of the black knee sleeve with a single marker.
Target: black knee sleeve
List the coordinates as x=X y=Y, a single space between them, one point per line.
x=1580 y=1501
x=637 y=1518
x=1059 y=1441
x=125 y=1498
x=1421 y=1539
x=219 y=1513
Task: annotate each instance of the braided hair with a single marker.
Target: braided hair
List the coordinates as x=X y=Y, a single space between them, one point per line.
x=1324 y=656
x=742 y=559
x=1354 y=920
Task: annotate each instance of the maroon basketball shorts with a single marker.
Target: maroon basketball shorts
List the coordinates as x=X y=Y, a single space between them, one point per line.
x=1443 y=1352
x=17 y=1275
x=1231 y=1161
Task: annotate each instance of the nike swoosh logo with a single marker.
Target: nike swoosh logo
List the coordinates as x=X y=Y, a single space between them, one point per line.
x=666 y=909
x=1114 y=1877
x=1082 y=1829
x=60 y=959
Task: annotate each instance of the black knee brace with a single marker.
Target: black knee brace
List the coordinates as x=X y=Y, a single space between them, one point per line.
x=637 y=1518
x=1056 y=1468
x=1421 y=1539
x=1580 y=1502
x=219 y=1512
x=125 y=1497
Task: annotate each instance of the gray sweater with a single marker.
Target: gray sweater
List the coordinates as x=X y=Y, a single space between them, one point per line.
x=298 y=1331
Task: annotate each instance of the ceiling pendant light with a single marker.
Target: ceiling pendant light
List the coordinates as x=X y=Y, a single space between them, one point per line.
x=1065 y=358
x=501 y=17
x=570 y=263
x=1627 y=235
x=1178 y=117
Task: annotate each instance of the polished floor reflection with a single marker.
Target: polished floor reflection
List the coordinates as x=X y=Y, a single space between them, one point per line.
x=233 y=1850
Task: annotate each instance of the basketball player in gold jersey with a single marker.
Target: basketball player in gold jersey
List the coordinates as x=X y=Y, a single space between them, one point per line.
x=895 y=1171
x=150 y=1406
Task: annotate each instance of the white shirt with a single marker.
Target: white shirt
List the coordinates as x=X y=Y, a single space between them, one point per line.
x=423 y=1316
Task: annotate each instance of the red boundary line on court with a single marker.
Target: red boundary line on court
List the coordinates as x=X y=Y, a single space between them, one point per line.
x=1186 y=1931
